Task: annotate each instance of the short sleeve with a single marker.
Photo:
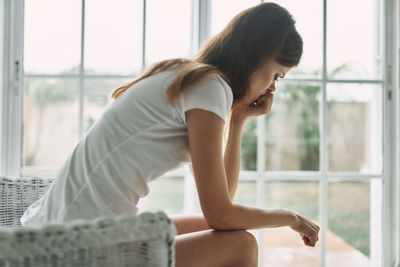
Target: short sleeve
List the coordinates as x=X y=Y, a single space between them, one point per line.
x=213 y=95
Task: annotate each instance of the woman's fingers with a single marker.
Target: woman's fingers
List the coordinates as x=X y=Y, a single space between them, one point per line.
x=261 y=106
x=306 y=240
x=312 y=235
x=308 y=231
x=316 y=227
x=313 y=225
x=263 y=99
x=309 y=240
x=313 y=238
x=265 y=102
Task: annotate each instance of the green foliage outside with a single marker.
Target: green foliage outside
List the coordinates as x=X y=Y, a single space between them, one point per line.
x=249 y=146
x=349 y=213
x=299 y=101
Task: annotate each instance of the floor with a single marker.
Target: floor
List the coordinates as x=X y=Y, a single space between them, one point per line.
x=284 y=248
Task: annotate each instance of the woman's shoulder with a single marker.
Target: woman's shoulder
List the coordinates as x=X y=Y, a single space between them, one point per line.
x=215 y=87
x=213 y=94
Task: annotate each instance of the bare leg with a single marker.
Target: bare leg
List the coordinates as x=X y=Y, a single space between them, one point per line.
x=212 y=248
x=189 y=223
x=196 y=247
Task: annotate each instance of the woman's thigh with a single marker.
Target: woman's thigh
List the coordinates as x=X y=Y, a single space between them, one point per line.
x=189 y=223
x=212 y=248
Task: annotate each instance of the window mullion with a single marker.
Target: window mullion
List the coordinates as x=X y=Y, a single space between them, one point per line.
x=376 y=154
x=144 y=36
x=323 y=215
x=390 y=32
x=260 y=186
x=82 y=72
x=204 y=21
x=323 y=183
x=396 y=140
x=12 y=104
x=195 y=27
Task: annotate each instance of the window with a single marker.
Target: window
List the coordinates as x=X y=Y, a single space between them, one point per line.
x=319 y=152
x=102 y=47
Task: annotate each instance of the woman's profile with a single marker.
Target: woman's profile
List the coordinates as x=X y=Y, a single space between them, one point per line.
x=174 y=114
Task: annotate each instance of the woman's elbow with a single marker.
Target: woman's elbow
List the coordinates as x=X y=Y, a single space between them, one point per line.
x=219 y=222
x=216 y=225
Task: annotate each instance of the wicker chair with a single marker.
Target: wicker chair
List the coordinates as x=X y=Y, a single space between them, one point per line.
x=140 y=240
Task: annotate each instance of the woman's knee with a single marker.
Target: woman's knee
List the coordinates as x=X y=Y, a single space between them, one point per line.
x=247 y=247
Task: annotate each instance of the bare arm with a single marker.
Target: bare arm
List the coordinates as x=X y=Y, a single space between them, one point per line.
x=189 y=223
x=196 y=222
x=232 y=154
x=205 y=131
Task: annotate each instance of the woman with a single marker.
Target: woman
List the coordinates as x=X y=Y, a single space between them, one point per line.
x=173 y=114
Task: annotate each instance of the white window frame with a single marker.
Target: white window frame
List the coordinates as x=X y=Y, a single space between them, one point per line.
x=391 y=190
x=2 y=27
x=387 y=242
x=12 y=95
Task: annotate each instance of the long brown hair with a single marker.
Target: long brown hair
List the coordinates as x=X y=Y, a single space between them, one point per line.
x=266 y=31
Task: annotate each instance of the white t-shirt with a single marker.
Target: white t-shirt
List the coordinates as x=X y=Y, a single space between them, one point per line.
x=137 y=139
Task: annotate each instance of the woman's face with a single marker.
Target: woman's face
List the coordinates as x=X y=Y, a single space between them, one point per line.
x=263 y=80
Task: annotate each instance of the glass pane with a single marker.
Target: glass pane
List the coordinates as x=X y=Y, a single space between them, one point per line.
x=50 y=120
x=353 y=39
x=249 y=145
x=52 y=36
x=223 y=11
x=349 y=214
x=97 y=96
x=355 y=127
x=309 y=25
x=246 y=193
x=292 y=128
x=166 y=194
x=167 y=30
x=113 y=36
x=282 y=246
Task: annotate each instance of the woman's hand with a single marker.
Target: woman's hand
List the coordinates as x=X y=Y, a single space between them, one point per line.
x=307 y=230
x=262 y=106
